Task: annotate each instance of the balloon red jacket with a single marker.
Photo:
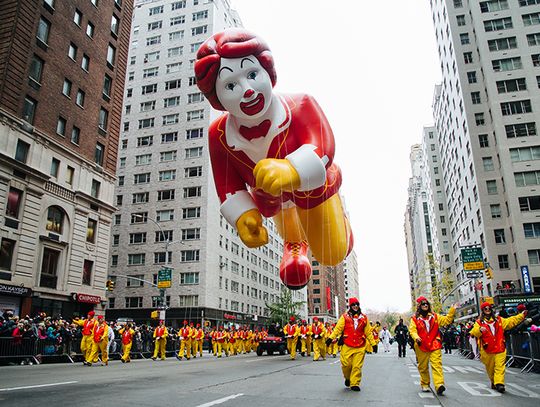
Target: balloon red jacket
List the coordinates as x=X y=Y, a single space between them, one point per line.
x=305 y=126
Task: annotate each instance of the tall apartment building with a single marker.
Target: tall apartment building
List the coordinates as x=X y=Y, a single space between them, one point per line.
x=350 y=273
x=62 y=70
x=326 y=292
x=486 y=116
x=418 y=229
x=168 y=210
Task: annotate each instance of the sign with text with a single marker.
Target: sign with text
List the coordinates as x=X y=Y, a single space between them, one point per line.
x=164 y=278
x=472 y=258
x=86 y=298
x=527 y=284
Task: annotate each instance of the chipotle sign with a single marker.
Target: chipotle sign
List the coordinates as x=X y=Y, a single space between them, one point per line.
x=86 y=298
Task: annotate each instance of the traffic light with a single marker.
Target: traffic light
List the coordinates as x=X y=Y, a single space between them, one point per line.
x=154 y=315
x=489 y=273
x=110 y=285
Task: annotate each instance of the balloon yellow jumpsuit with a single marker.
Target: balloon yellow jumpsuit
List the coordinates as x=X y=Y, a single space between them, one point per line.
x=492 y=346
x=429 y=350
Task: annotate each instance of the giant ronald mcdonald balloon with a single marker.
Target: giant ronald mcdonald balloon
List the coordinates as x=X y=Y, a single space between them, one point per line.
x=272 y=155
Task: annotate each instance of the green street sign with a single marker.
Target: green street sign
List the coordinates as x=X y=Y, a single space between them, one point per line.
x=165 y=278
x=472 y=258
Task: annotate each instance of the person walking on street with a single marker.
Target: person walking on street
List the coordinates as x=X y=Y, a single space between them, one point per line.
x=375 y=332
x=353 y=327
x=489 y=329
x=319 y=334
x=126 y=333
x=305 y=338
x=448 y=339
x=424 y=329
x=160 y=337
x=184 y=334
x=385 y=338
x=100 y=342
x=401 y=334
x=291 y=332
x=88 y=326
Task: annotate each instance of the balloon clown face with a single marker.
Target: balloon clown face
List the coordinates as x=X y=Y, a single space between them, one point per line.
x=243 y=87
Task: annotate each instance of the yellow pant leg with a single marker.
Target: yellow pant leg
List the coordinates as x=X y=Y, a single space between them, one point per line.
x=423 y=365
x=289 y=226
x=308 y=345
x=194 y=347
x=214 y=348
x=201 y=341
x=156 y=348
x=188 y=348
x=352 y=361
x=303 y=345
x=162 y=349
x=219 y=349
x=86 y=347
x=327 y=231
x=126 y=355
x=499 y=368
x=93 y=354
x=435 y=359
x=104 y=349
x=293 y=347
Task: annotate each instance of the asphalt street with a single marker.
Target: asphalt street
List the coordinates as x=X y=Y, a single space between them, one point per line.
x=249 y=380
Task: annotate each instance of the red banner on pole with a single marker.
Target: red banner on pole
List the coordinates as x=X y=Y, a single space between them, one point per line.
x=328 y=298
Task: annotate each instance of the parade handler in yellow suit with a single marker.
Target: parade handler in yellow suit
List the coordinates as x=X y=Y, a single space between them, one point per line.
x=100 y=342
x=291 y=332
x=160 y=337
x=490 y=333
x=355 y=329
x=424 y=329
x=88 y=326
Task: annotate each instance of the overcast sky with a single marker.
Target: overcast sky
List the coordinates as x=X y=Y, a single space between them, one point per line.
x=372 y=66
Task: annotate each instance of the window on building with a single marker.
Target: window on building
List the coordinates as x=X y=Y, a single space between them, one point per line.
x=467 y=57
x=80 y=98
x=191 y=213
x=479 y=119
x=483 y=140
x=107 y=86
x=136 y=259
x=61 y=126
x=66 y=88
x=507 y=64
x=166 y=195
x=503 y=261
x=90 y=29
x=191 y=172
x=99 y=154
x=134 y=302
x=491 y=186
x=165 y=215
x=55 y=219
x=516 y=107
x=111 y=55
x=14 y=201
x=49 y=266
x=55 y=167
x=520 y=130
x=96 y=187
x=475 y=98
x=36 y=70
x=498 y=24
x=72 y=51
x=527 y=178
x=29 y=109
x=7 y=250
x=103 y=119
x=44 y=27
x=471 y=77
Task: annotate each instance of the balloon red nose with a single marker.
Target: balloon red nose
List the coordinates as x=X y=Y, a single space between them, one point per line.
x=249 y=93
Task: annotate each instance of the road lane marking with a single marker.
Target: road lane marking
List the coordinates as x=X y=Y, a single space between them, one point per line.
x=36 y=386
x=468 y=369
x=520 y=391
x=219 y=401
x=479 y=389
x=415 y=375
x=416 y=382
x=333 y=363
x=426 y=395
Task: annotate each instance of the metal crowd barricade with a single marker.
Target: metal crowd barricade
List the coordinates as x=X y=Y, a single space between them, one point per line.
x=18 y=350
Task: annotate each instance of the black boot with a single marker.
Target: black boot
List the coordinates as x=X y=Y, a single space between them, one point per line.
x=441 y=390
x=347 y=382
x=355 y=388
x=500 y=388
